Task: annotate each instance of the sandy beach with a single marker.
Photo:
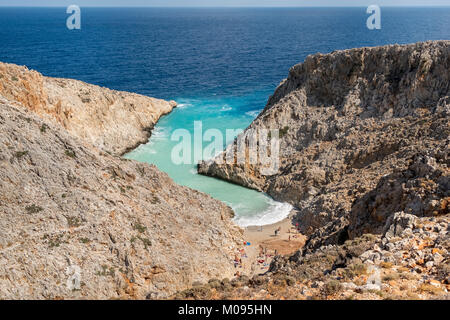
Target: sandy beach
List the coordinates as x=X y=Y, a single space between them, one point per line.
x=265 y=244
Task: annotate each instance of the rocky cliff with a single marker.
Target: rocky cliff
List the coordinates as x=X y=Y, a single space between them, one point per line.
x=352 y=123
x=410 y=259
x=77 y=222
x=364 y=157
x=114 y=121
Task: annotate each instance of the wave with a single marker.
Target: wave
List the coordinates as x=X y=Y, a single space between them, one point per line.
x=226 y=108
x=253 y=113
x=184 y=105
x=276 y=212
x=159 y=133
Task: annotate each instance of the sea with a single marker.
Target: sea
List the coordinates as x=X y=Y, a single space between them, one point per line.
x=219 y=64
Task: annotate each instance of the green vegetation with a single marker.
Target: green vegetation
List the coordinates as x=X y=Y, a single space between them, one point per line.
x=145 y=241
x=139 y=227
x=155 y=200
x=70 y=153
x=106 y=271
x=284 y=131
x=33 y=209
x=73 y=222
x=359 y=269
x=140 y=170
x=332 y=287
x=54 y=241
x=20 y=154
x=378 y=293
x=390 y=277
x=43 y=128
x=84 y=240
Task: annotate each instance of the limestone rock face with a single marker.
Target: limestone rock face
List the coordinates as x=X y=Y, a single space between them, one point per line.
x=347 y=119
x=114 y=121
x=421 y=190
x=76 y=222
x=409 y=260
x=398 y=223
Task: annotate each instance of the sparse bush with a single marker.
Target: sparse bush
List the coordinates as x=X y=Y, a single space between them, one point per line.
x=214 y=283
x=106 y=271
x=355 y=270
x=290 y=281
x=429 y=288
x=359 y=269
x=43 y=128
x=332 y=287
x=141 y=170
x=55 y=241
x=73 y=222
x=390 y=277
x=33 y=209
x=155 y=200
x=20 y=154
x=139 y=227
x=377 y=292
x=147 y=243
x=70 y=153
x=284 y=131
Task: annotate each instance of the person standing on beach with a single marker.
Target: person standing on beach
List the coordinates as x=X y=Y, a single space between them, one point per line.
x=277 y=231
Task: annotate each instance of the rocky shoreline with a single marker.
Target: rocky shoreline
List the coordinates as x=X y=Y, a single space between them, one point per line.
x=352 y=117
x=364 y=158
x=79 y=222
x=114 y=121
x=365 y=136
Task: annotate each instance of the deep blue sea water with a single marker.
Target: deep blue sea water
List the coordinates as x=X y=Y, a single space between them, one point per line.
x=219 y=64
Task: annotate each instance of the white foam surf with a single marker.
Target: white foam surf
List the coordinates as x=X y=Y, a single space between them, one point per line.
x=159 y=133
x=226 y=108
x=253 y=113
x=184 y=105
x=275 y=212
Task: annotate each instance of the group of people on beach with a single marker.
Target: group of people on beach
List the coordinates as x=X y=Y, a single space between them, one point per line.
x=264 y=257
x=238 y=257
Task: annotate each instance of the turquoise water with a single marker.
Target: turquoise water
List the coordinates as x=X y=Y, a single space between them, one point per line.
x=219 y=64
x=251 y=207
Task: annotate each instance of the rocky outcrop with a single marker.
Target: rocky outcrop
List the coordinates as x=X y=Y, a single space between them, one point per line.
x=347 y=119
x=76 y=222
x=365 y=159
x=421 y=190
x=114 y=121
x=409 y=260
